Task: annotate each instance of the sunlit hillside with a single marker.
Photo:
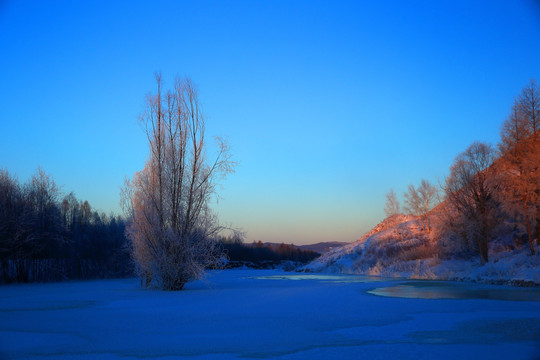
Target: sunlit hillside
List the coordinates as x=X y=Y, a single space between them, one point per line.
x=397 y=247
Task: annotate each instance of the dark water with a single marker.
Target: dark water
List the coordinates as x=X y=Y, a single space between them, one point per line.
x=426 y=289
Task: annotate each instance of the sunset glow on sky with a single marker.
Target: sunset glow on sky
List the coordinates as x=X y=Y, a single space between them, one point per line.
x=326 y=104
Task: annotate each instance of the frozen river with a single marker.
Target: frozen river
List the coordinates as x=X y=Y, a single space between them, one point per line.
x=269 y=314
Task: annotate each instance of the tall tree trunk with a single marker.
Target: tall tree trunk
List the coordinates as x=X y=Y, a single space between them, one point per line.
x=484 y=250
x=528 y=224
x=538 y=226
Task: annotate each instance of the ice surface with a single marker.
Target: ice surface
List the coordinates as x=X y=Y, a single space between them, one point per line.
x=452 y=290
x=322 y=277
x=258 y=314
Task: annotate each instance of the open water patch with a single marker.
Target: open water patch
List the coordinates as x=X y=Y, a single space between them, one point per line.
x=325 y=278
x=427 y=289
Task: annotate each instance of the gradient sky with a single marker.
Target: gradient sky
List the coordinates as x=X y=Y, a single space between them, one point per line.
x=326 y=104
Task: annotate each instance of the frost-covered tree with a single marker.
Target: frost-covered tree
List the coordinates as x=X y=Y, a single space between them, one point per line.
x=518 y=166
x=420 y=201
x=529 y=105
x=529 y=101
x=172 y=228
x=392 y=206
x=469 y=192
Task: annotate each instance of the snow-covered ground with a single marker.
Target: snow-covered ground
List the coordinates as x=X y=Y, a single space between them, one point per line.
x=263 y=314
x=397 y=247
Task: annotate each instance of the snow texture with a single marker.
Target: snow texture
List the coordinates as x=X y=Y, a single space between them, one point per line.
x=239 y=314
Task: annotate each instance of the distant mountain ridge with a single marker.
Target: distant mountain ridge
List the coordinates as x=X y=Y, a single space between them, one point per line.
x=321 y=247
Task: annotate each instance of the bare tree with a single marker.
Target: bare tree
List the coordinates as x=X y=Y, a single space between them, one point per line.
x=42 y=196
x=172 y=230
x=529 y=105
x=11 y=212
x=420 y=201
x=392 y=206
x=469 y=193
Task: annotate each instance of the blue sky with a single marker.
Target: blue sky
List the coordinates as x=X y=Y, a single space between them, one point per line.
x=326 y=104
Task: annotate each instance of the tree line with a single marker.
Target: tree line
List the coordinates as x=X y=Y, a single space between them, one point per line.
x=45 y=236
x=259 y=254
x=491 y=191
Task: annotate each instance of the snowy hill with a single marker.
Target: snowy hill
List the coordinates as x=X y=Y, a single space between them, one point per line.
x=377 y=248
x=397 y=247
